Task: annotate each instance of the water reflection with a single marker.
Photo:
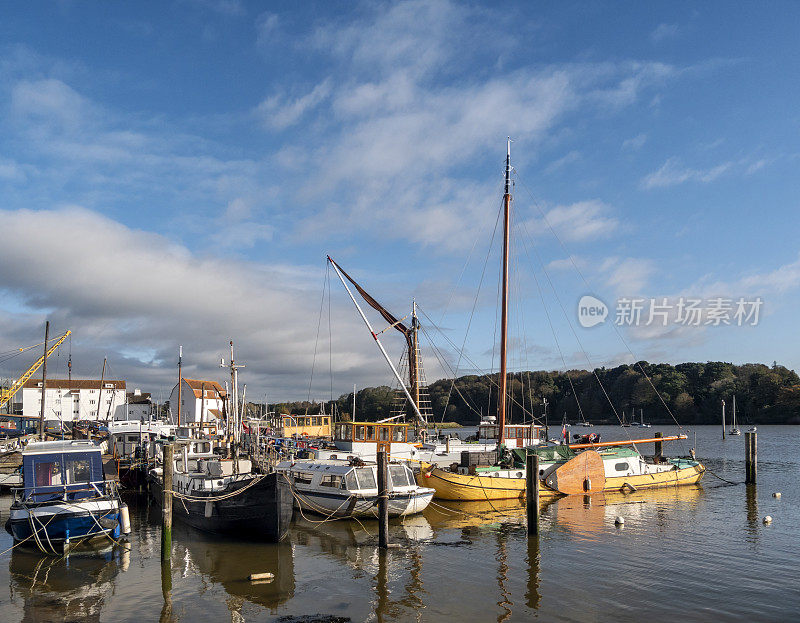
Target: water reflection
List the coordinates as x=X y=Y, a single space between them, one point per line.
x=751 y=501
x=229 y=563
x=65 y=589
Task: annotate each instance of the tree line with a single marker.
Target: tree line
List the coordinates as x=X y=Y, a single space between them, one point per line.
x=693 y=392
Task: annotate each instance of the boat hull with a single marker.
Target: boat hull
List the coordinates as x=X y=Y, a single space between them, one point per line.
x=344 y=504
x=58 y=522
x=465 y=487
x=261 y=511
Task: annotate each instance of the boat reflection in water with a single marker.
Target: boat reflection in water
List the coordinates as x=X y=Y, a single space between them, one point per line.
x=229 y=563
x=66 y=589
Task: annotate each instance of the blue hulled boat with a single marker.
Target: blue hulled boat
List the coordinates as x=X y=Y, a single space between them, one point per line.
x=65 y=498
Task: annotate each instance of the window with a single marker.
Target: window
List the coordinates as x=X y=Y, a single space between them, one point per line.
x=303 y=478
x=48 y=473
x=331 y=480
x=350 y=480
x=621 y=467
x=91 y=402
x=78 y=470
x=398 y=476
x=370 y=433
x=366 y=478
x=383 y=433
x=397 y=433
x=326 y=421
x=360 y=433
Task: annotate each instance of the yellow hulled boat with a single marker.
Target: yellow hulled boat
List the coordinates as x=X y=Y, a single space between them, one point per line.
x=615 y=468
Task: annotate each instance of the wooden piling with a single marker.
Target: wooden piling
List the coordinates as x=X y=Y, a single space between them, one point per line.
x=532 y=492
x=383 y=501
x=750 y=456
x=657 y=448
x=723 y=419
x=166 y=506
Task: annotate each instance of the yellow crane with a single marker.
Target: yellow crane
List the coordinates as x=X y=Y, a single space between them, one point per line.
x=7 y=394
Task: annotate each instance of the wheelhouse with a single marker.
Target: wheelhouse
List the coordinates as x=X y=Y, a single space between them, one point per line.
x=516 y=435
x=68 y=470
x=305 y=425
x=374 y=432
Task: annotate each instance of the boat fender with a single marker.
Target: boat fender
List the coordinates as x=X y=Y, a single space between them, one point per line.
x=124 y=519
x=619 y=521
x=587 y=484
x=776 y=495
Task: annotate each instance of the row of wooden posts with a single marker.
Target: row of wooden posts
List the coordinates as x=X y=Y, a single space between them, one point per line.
x=531 y=499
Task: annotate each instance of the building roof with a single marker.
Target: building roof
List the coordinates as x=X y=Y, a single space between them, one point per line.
x=210 y=386
x=135 y=399
x=74 y=384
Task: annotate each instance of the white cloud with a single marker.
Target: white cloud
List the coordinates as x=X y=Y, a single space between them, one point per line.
x=664 y=31
x=627 y=276
x=122 y=291
x=635 y=143
x=577 y=222
x=672 y=173
x=279 y=112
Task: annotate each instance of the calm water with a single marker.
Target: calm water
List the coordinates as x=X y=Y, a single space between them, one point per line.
x=693 y=553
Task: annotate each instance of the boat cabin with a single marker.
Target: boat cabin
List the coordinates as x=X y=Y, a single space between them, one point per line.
x=304 y=426
x=516 y=435
x=366 y=439
x=361 y=479
x=68 y=470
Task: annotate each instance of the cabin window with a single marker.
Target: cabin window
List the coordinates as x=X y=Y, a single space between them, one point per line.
x=360 y=433
x=366 y=478
x=397 y=434
x=78 y=470
x=326 y=421
x=383 y=433
x=350 y=480
x=331 y=480
x=303 y=478
x=621 y=467
x=287 y=421
x=48 y=473
x=398 y=475
x=370 y=433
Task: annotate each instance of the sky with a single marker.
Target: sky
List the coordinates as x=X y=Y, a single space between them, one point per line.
x=175 y=174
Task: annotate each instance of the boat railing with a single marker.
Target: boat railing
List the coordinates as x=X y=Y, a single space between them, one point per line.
x=66 y=492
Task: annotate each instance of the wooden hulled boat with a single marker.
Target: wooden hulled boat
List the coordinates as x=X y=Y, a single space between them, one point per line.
x=562 y=471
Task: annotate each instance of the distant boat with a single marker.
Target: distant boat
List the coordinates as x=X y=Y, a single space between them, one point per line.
x=641 y=420
x=734 y=430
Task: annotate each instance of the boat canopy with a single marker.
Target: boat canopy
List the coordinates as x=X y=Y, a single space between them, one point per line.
x=61 y=469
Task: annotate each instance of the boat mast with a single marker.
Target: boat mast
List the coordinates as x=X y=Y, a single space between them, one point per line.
x=180 y=382
x=380 y=346
x=413 y=360
x=501 y=396
x=44 y=380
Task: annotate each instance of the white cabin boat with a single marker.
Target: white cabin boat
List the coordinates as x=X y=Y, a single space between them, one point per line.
x=339 y=488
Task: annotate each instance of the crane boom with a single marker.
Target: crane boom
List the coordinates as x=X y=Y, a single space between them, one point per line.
x=7 y=394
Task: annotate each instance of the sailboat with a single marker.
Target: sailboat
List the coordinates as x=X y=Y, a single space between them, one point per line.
x=734 y=430
x=603 y=466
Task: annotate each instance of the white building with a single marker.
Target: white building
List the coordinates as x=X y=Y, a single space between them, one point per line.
x=198 y=398
x=74 y=400
x=140 y=407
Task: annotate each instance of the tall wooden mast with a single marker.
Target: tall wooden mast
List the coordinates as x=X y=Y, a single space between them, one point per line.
x=501 y=396
x=413 y=360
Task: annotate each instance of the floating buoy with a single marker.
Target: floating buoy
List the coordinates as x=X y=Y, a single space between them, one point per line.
x=261 y=576
x=768 y=519
x=776 y=495
x=620 y=521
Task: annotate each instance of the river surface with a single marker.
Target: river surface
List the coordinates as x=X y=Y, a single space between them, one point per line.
x=691 y=554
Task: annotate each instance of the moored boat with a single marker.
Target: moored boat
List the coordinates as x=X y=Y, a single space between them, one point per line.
x=338 y=488
x=226 y=496
x=65 y=498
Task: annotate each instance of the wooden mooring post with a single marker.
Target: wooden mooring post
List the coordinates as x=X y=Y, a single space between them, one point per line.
x=166 y=506
x=532 y=492
x=750 y=456
x=383 y=501
x=658 y=450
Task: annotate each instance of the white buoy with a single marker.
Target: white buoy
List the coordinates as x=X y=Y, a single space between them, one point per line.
x=768 y=519
x=776 y=494
x=619 y=521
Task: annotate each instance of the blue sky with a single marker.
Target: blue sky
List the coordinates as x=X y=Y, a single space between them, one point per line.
x=175 y=173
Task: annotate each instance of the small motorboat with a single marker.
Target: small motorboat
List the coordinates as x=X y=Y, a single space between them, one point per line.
x=65 y=498
x=349 y=488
